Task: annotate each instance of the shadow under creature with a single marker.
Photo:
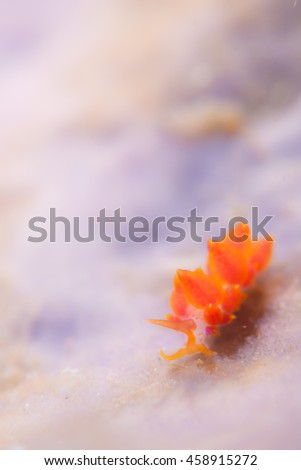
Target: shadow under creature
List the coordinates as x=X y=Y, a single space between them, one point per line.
x=246 y=324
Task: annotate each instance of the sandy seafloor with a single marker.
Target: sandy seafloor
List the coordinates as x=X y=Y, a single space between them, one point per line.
x=156 y=108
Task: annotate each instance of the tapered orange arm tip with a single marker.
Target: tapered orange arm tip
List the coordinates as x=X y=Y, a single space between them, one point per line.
x=178 y=325
x=188 y=351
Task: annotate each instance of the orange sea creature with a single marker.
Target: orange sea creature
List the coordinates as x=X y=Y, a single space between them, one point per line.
x=203 y=302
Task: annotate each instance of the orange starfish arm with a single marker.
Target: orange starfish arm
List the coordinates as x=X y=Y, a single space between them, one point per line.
x=197 y=348
x=190 y=348
x=185 y=326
